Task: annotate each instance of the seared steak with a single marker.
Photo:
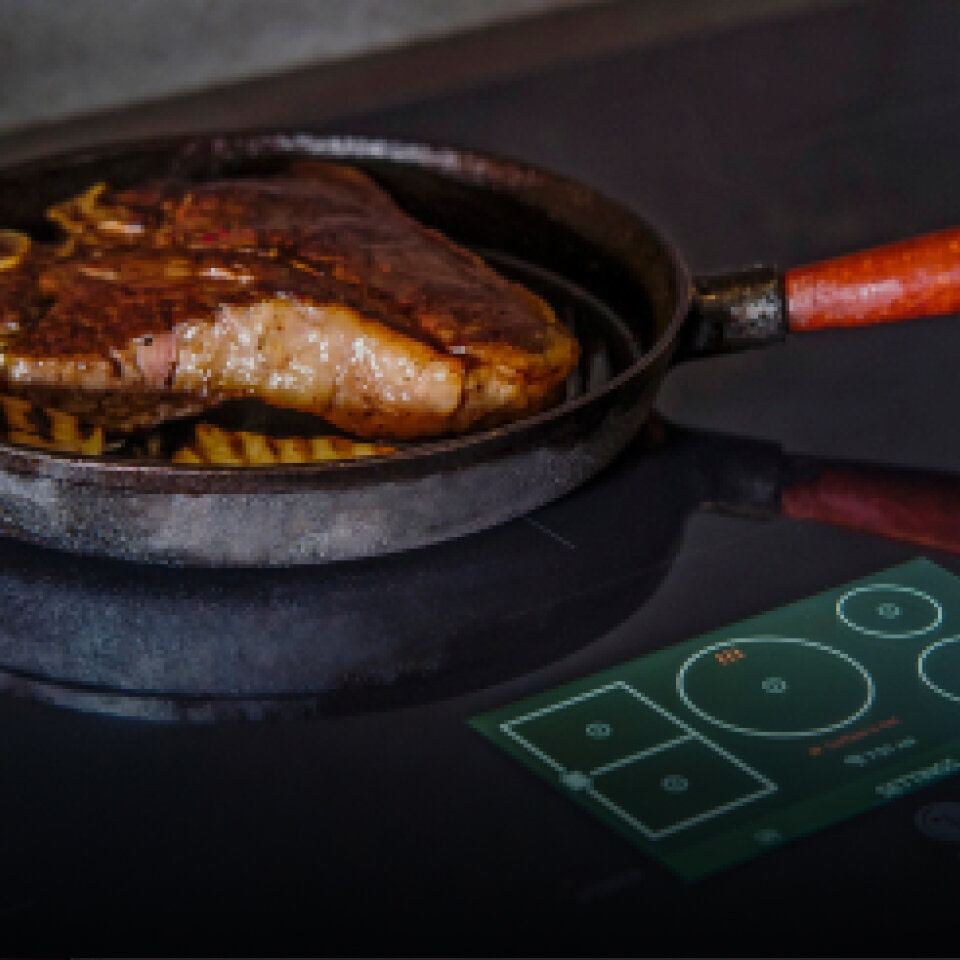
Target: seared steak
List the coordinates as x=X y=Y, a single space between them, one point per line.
x=312 y=291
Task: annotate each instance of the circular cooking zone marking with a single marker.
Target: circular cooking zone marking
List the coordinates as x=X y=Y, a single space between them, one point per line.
x=775 y=687
x=889 y=610
x=938 y=666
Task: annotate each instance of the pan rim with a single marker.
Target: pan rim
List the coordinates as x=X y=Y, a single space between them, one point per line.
x=437 y=158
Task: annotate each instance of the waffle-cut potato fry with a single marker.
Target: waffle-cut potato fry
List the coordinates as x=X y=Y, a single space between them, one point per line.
x=16 y=412
x=214 y=445
x=243 y=448
x=29 y=424
x=14 y=246
x=254 y=448
x=77 y=214
x=73 y=213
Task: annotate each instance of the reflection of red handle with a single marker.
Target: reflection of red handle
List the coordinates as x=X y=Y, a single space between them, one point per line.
x=924 y=511
x=913 y=278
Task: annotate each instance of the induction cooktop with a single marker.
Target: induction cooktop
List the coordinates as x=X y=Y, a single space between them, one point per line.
x=716 y=749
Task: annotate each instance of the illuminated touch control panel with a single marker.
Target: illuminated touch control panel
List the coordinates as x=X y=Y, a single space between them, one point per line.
x=716 y=749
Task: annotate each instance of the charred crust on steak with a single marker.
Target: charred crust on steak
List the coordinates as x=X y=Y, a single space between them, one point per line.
x=144 y=264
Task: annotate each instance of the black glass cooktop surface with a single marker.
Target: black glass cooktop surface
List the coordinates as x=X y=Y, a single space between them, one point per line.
x=281 y=761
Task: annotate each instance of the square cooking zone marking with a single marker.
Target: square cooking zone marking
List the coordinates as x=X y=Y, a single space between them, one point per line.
x=678 y=787
x=594 y=729
x=630 y=755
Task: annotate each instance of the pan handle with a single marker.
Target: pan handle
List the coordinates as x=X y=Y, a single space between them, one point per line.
x=919 y=277
x=756 y=478
x=912 y=507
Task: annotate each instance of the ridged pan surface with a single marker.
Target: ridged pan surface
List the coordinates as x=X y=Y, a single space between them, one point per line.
x=631 y=294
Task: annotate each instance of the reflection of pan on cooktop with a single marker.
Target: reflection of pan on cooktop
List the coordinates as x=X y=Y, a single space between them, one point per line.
x=623 y=286
x=148 y=641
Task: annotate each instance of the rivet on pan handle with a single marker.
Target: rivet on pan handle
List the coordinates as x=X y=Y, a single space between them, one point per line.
x=734 y=311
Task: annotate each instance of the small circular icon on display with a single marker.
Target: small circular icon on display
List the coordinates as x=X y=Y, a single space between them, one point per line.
x=889 y=611
x=675 y=783
x=774 y=685
x=939 y=821
x=598 y=731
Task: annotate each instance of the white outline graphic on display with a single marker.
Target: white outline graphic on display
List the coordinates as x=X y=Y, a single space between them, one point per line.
x=886 y=634
x=689 y=735
x=922 y=670
x=774 y=734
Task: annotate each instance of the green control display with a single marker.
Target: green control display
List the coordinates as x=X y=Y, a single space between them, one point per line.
x=714 y=750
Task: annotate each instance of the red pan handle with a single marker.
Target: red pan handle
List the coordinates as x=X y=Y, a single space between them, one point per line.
x=919 y=277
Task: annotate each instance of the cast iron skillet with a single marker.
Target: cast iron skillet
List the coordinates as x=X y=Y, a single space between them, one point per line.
x=645 y=311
